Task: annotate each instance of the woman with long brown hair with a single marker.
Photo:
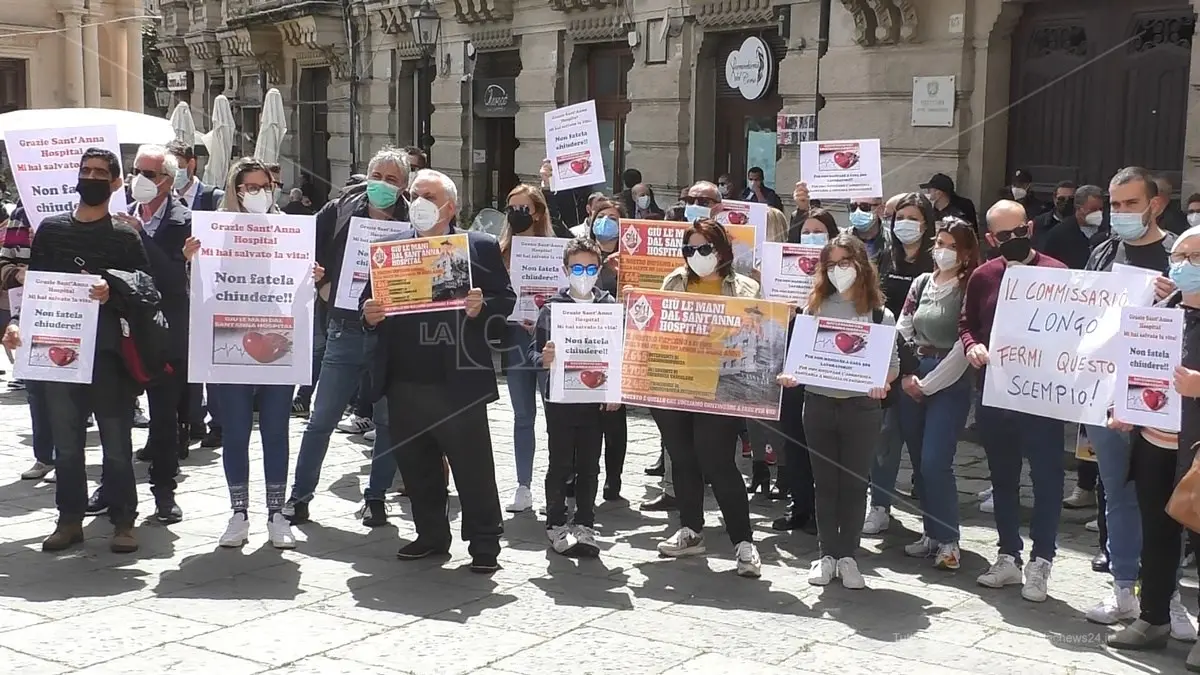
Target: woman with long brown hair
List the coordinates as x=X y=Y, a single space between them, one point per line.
x=842 y=427
x=527 y=215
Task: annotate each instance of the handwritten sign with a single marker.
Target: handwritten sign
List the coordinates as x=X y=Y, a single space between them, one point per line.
x=1151 y=344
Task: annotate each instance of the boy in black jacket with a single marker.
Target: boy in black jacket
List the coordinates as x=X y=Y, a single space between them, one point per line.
x=573 y=429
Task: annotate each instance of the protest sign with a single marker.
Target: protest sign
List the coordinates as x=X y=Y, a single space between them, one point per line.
x=356 y=263
x=1052 y=350
x=45 y=166
x=1149 y=348
x=840 y=353
x=252 y=298
x=588 y=342
x=573 y=146
x=789 y=271
x=704 y=353
x=746 y=213
x=58 y=328
x=652 y=249
x=15 y=296
x=842 y=169
x=536 y=269
x=424 y=274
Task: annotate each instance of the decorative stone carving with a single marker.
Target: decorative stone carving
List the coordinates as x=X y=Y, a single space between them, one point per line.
x=392 y=20
x=581 y=5
x=493 y=38
x=882 y=22
x=261 y=44
x=204 y=47
x=483 y=11
x=718 y=13
x=597 y=28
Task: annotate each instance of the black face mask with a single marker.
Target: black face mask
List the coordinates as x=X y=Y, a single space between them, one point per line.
x=519 y=220
x=1016 y=249
x=93 y=191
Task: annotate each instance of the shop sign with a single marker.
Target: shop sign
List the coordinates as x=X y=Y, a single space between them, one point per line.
x=750 y=68
x=177 y=81
x=496 y=97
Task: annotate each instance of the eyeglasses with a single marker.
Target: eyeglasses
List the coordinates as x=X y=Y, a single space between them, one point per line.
x=1018 y=232
x=253 y=189
x=844 y=263
x=699 y=201
x=579 y=270
x=703 y=249
x=152 y=175
x=1193 y=258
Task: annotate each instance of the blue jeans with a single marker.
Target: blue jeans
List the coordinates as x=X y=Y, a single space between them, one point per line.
x=39 y=418
x=274 y=413
x=887 y=459
x=1008 y=436
x=1121 y=504
x=931 y=429
x=213 y=403
x=522 y=391
x=348 y=350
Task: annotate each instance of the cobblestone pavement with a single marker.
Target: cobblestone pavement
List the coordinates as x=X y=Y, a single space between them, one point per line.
x=342 y=603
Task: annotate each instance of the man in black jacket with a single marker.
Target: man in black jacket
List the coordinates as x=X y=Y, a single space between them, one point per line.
x=437 y=372
x=1064 y=208
x=1072 y=240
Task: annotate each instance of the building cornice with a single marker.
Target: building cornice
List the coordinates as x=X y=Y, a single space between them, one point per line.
x=882 y=22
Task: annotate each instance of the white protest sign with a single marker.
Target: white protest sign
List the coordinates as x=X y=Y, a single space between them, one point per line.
x=252 y=299
x=840 y=353
x=356 y=261
x=746 y=213
x=58 y=328
x=588 y=342
x=14 y=300
x=789 y=271
x=1053 y=351
x=842 y=169
x=573 y=146
x=1151 y=346
x=536 y=269
x=45 y=166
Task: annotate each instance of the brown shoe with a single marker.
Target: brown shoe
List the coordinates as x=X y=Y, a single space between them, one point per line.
x=65 y=536
x=123 y=540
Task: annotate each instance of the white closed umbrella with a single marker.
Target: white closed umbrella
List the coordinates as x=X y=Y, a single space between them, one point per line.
x=219 y=141
x=133 y=128
x=271 y=129
x=183 y=123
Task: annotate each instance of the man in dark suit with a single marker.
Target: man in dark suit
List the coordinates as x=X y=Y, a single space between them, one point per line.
x=197 y=197
x=436 y=370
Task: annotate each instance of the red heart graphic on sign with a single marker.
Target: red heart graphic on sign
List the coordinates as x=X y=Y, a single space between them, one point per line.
x=807 y=265
x=580 y=166
x=539 y=300
x=265 y=347
x=592 y=378
x=1154 y=399
x=737 y=218
x=63 y=356
x=845 y=159
x=847 y=343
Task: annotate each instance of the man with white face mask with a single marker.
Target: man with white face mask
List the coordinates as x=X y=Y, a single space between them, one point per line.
x=436 y=370
x=1072 y=241
x=703 y=200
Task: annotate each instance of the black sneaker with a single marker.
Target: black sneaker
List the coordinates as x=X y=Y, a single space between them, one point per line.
x=296 y=512
x=197 y=432
x=663 y=502
x=612 y=490
x=212 y=439
x=96 y=505
x=143 y=455
x=374 y=513
x=166 y=511
x=300 y=408
x=417 y=549
x=183 y=440
x=484 y=564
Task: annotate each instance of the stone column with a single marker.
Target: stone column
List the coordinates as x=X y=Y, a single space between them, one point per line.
x=91 y=63
x=658 y=127
x=1191 y=141
x=537 y=86
x=798 y=88
x=133 y=80
x=120 y=83
x=73 y=87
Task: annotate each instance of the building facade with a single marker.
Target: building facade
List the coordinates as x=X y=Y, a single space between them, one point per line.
x=1067 y=89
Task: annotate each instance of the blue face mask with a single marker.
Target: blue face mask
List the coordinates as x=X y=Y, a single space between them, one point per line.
x=604 y=228
x=694 y=212
x=1186 y=276
x=814 y=239
x=861 y=220
x=1128 y=226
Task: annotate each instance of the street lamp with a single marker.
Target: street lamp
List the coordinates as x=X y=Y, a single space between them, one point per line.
x=427 y=28
x=163 y=98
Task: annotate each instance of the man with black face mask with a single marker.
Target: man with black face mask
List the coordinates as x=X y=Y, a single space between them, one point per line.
x=1062 y=211
x=88 y=241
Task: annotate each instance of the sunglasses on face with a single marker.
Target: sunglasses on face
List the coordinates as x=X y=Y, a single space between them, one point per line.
x=152 y=175
x=863 y=206
x=703 y=249
x=698 y=201
x=1017 y=232
x=579 y=270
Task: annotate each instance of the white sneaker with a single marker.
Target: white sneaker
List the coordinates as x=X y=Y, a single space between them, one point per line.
x=877 y=520
x=237 y=532
x=353 y=424
x=279 y=531
x=522 y=500
x=1120 y=605
x=37 y=472
x=1183 y=626
x=561 y=539
x=370 y=435
x=51 y=477
x=748 y=563
x=822 y=571
x=948 y=556
x=1092 y=525
x=988 y=505
x=921 y=548
x=1037 y=578
x=1003 y=572
x=684 y=542
x=1080 y=498
x=984 y=494
x=586 y=546
x=847 y=571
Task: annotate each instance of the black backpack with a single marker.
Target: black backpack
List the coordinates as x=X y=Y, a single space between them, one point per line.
x=144 y=343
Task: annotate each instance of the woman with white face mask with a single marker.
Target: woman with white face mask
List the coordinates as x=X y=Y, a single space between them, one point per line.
x=701 y=444
x=842 y=426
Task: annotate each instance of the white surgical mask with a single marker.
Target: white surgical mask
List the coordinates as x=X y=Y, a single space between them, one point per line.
x=945 y=258
x=423 y=214
x=694 y=212
x=1019 y=193
x=842 y=278
x=643 y=202
x=581 y=284
x=907 y=231
x=703 y=265
x=143 y=189
x=259 y=202
x=182 y=180
x=814 y=238
x=1094 y=218
x=1193 y=219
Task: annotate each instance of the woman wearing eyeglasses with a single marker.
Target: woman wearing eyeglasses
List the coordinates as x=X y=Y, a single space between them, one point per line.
x=527 y=216
x=701 y=444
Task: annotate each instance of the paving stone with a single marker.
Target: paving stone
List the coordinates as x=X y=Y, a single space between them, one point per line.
x=589 y=651
x=431 y=647
x=176 y=659
x=17 y=662
x=289 y=636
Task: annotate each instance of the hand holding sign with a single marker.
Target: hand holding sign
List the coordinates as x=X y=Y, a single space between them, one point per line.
x=548 y=355
x=977 y=355
x=12 y=337
x=1187 y=382
x=372 y=312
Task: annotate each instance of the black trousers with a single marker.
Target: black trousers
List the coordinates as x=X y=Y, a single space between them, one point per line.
x=426 y=423
x=1101 y=520
x=167 y=399
x=613 y=424
x=1154 y=471
x=1087 y=473
x=703 y=445
x=574 y=433
x=799 y=463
